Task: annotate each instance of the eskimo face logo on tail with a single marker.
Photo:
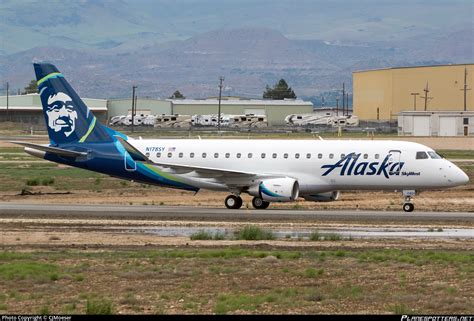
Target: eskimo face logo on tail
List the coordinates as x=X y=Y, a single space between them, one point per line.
x=350 y=165
x=61 y=113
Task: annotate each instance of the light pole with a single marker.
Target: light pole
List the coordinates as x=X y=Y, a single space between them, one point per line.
x=347 y=104
x=221 y=80
x=343 y=98
x=8 y=112
x=465 y=89
x=425 y=97
x=414 y=99
x=133 y=106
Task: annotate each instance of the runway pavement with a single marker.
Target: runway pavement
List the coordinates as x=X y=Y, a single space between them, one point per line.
x=221 y=214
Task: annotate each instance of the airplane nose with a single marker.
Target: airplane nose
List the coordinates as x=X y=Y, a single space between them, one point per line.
x=464 y=179
x=460 y=177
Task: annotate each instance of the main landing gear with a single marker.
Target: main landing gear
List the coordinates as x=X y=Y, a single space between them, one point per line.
x=233 y=202
x=407 y=204
x=259 y=204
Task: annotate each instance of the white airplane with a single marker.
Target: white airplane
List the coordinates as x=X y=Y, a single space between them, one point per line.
x=268 y=170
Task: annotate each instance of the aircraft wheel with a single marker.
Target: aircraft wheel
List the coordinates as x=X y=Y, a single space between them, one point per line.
x=408 y=207
x=259 y=204
x=233 y=202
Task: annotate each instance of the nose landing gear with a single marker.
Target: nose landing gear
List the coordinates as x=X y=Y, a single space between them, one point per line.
x=408 y=205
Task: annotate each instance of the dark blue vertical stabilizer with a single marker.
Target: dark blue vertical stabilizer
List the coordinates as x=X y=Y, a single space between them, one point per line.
x=67 y=118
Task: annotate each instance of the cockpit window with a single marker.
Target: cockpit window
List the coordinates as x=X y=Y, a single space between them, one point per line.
x=433 y=155
x=421 y=155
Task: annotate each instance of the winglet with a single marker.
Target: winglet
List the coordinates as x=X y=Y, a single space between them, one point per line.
x=134 y=153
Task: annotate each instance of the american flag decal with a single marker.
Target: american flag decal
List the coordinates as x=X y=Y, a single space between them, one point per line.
x=171 y=149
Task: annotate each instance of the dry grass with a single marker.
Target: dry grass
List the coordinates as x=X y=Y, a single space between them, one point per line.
x=237 y=280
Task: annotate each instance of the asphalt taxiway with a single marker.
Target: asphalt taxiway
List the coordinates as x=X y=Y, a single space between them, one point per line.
x=222 y=214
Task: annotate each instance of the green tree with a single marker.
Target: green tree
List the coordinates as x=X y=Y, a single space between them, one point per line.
x=177 y=95
x=32 y=88
x=281 y=90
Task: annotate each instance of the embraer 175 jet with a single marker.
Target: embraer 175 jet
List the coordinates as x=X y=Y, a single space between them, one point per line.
x=268 y=170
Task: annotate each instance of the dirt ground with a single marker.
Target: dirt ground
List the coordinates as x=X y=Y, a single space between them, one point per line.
x=64 y=265
x=455 y=199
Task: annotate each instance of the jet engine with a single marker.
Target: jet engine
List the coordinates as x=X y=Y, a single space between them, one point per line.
x=276 y=190
x=323 y=197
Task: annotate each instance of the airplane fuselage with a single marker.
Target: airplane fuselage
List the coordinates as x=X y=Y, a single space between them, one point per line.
x=317 y=165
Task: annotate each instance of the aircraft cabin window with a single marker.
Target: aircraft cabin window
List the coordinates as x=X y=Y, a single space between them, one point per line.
x=331 y=156
x=343 y=155
x=249 y=155
x=158 y=155
x=227 y=155
x=170 y=154
x=238 y=155
x=320 y=156
x=366 y=156
x=285 y=155
x=421 y=155
x=263 y=155
x=216 y=155
x=377 y=156
x=274 y=155
x=204 y=155
x=180 y=155
x=308 y=156
x=191 y=155
x=147 y=154
x=297 y=156
x=433 y=155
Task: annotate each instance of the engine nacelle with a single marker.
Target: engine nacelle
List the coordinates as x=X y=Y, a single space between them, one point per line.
x=276 y=190
x=323 y=197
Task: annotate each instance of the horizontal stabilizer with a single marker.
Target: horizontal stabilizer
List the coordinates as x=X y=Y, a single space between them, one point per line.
x=134 y=153
x=53 y=150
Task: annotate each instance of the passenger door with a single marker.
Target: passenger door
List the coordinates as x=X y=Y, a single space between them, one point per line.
x=395 y=156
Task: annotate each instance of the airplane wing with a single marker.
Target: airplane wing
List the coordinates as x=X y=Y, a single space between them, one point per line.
x=218 y=175
x=49 y=149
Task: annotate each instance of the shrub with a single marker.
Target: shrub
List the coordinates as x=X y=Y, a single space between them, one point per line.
x=312 y=272
x=44 y=310
x=315 y=236
x=47 y=181
x=332 y=237
x=201 y=235
x=254 y=233
x=205 y=235
x=99 y=306
x=32 y=182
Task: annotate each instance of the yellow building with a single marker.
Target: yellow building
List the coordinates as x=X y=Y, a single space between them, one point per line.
x=381 y=94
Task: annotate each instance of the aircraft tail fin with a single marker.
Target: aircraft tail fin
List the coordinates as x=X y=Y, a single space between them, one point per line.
x=68 y=119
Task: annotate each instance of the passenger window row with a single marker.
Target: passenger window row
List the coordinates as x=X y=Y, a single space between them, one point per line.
x=262 y=155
